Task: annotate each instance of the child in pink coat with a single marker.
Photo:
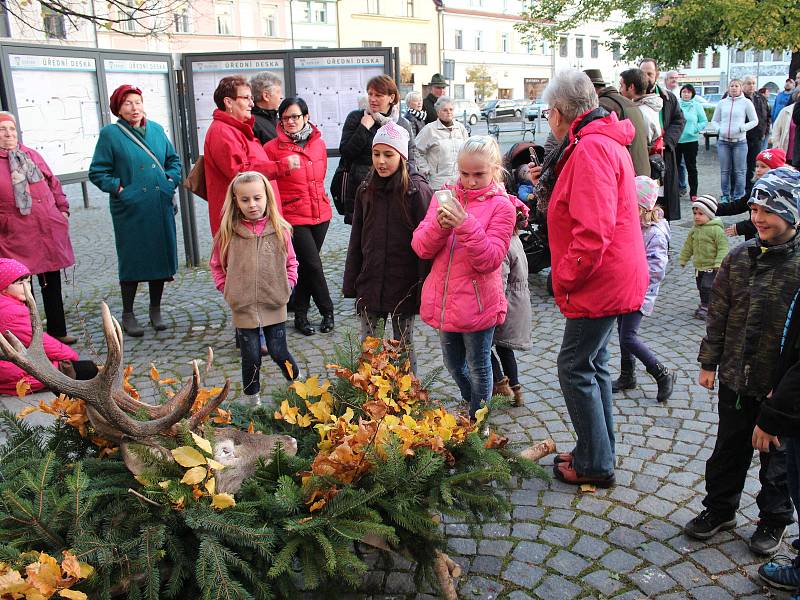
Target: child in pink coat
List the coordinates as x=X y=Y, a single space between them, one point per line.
x=467 y=238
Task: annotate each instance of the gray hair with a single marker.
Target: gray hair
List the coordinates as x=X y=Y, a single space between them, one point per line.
x=572 y=93
x=748 y=79
x=5 y=113
x=441 y=102
x=263 y=82
x=413 y=96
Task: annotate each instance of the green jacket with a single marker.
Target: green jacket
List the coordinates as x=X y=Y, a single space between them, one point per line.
x=706 y=245
x=749 y=301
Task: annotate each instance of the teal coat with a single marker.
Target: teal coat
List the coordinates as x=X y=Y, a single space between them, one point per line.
x=143 y=216
x=696 y=120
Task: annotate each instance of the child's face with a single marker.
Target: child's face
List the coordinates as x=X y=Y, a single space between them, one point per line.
x=700 y=218
x=761 y=169
x=771 y=227
x=525 y=174
x=251 y=198
x=17 y=289
x=385 y=159
x=475 y=171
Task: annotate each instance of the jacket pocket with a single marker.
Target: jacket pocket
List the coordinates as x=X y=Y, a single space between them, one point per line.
x=477 y=295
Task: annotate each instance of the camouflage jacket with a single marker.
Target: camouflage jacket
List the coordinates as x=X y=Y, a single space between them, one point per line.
x=749 y=302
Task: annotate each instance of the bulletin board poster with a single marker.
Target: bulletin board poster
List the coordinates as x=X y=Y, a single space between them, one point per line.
x=206 y=76
x=150 y=76
x=332 y=86
x=57 y=108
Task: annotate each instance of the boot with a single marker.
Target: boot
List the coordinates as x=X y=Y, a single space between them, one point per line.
x=131 y=326
x=327 y=323
x=251 y=400
x=626 y=379
x=155 y=318
x=518 y=399
x=302 y=325
x=501 y=388
x=665 y=380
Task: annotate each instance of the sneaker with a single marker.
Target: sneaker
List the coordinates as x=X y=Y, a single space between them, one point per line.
x=766 y=539
x=701 y=313
x=782 y=573
x=707 y=524
x=796 y=545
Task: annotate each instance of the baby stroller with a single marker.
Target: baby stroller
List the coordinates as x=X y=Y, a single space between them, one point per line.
x=534 y=236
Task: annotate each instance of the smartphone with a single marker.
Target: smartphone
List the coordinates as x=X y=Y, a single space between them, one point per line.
x=444 y=197
x=534 y=156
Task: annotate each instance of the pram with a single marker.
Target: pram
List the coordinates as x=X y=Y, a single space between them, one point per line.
x=534 y=236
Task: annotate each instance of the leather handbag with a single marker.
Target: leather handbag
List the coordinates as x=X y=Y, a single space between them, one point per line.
x=195 y=181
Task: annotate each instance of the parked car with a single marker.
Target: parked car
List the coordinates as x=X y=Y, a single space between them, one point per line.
x=534 y=110
x=472 y=110
x=496 y=109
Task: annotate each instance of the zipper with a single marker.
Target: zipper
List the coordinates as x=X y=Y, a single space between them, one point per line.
x=447 y=273
x=730 y=117
x=257 y=278
x=746 y=375
x=477 y=295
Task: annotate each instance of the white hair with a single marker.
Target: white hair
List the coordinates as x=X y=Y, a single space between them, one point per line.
x=441 y=102
x=264 y=82
x=413 y=96
x=748 y=79
x=572 y=93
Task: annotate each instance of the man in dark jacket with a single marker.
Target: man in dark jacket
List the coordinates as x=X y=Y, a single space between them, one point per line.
x=437 y=87
x=267 y=95
x=755 y=136
x=672 y=121
x=613 y=101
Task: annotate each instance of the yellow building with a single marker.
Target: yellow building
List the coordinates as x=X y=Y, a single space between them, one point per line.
x=411 y=25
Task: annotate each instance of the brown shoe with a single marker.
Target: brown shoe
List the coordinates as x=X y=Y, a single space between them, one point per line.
x=67 y=339
x=518 y=399
x=501 y=388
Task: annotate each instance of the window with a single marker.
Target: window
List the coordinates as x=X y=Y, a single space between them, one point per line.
x=562 y=47
x=749 y=56
x=269 y=21
x=409 y=8
x=321 y=13
x=595 y=48
x=578 y=47
x=55 y=26
x=458 y=91
x=459 y=39
x=777 y=55
x=766 y=56
x=419 y=54
x=182 y=22
x=616 y=51
x=127 y=14
x=715 y=60
x=371 y=44
x=504 y=42
x=701 y=61
x=739 y=58
x=374 y=7
x=478 y=41
x=224 y=19
x=546 y=48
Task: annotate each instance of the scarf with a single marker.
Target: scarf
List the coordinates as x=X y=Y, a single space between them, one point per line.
x=550 y=167
x=301 y=137
x=23 y=172
x=417 y=114
x=382 y=119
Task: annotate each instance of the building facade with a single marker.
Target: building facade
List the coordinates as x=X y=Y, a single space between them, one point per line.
x=586 y=48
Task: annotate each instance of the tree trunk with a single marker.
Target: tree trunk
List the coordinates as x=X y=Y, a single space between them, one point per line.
x=794 y=66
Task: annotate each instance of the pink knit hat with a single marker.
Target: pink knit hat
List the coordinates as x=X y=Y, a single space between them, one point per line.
x=646 y=192
x=393 y=135
x=10 y=271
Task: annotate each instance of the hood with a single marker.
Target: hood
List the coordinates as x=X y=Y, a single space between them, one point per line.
x=465 y=195
x=653 y=101
x=246 y=127
x=610 y=126
x=715 y=222
x=687 y=104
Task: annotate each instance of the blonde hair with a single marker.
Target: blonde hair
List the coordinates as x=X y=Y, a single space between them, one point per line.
x=487 y=147
x=650 y=217
x=231 y=215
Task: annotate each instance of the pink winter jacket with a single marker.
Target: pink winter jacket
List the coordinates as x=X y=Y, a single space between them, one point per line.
x=599 y=263
x=14 y=317
x=464 y=291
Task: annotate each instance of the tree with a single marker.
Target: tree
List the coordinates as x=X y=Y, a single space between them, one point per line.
x=480 y=76
x=672 y=31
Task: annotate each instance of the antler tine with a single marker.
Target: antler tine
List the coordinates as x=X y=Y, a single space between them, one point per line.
x=201 y=414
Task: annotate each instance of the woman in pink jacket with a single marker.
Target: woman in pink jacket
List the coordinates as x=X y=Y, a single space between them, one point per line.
x=466 y=232
x=15 y=317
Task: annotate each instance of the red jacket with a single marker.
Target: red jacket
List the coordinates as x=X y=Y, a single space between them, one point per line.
x=232 y=148
x=598 y=258
x=303 y=190
x=14 y=317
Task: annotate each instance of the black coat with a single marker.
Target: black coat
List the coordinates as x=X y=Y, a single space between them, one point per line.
x=674 y=122
x=795 y=158
x=744 y=227
x=756 y=134
x=266 y=124
x=428 y=106
x=416 y=124
x=382 y=270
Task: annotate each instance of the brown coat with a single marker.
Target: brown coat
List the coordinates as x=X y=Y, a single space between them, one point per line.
x=613 y=101
x=261 y=301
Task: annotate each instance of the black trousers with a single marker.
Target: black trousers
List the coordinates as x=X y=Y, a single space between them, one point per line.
x=84 y=369
x=726 y=469
x=50 y=283
x=307 y=241
x=705 y=281
x=688 y=153
x=753 y=148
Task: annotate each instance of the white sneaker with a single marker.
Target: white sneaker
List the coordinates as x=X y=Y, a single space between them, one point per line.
x=251 y=399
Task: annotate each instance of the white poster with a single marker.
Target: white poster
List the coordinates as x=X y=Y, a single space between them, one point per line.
x=152 y=77
x=332 y=87
x=206 y=76
x=57 y=108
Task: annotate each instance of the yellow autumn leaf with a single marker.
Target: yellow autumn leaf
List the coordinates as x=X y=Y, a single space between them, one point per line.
x=70 y=564
x=317 y=505
x=300 y=389
x=217 y=466
x=202 y=443
x=480 y=414
x=44 y=575
x=405 y=383
x=186 y=456
x=154 y=373
x=409 y=422
x=194 y=475
x=12 y=583
x=163 y=484
x=23 y=387
x=211 y=485
x=26 y=411
x=321 y=410
x=348 y=415
x=304 y=420
x=74 y=594
x=222 y=501
x=391 y=421
x=289 y=369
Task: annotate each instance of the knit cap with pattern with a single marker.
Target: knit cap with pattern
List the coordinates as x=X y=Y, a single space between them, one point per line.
x=707 y=204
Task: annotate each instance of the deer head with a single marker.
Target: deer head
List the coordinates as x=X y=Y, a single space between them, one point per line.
x=109 y=406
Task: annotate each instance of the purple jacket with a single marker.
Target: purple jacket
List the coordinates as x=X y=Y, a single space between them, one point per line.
x=656 y=247
x=40 y=240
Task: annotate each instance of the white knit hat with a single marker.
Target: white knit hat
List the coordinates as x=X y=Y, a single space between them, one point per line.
x=393 y=135
x=707 y=204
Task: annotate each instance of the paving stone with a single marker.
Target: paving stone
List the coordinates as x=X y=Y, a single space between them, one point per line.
x=523 y=574
x=712 y=560
x=590 y=547
x=557 y=588
x=400 y=583
x=688 y=575
x=486 y=565
x=558 y=536
x=481 y=587
x=737 y=583
x=710 y=593
x=494 y=547
x=591 y=524
x=626 y=537
x=567 y=563
x=525 y=531
x=531 y=552
x=605 y=582
x=517 y=595
x=652 y=581
x=619 y=561
x=623 y=515
x=463 y=545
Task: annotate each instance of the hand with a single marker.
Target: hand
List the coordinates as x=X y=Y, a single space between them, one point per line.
x=367 y=121
x=455 y=213
x=730 y=231
x=66 y=214
x=293 y=161
x=707 y=378
x=534 y=172
x=443 y=218
x=762 y=440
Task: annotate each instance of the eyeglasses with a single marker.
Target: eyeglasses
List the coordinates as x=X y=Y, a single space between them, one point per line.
x=248 y=98
x=289 y=118
x=546 y=113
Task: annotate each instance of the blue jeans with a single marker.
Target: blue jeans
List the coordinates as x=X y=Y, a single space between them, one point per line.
x=467 y=357
x=683 y=175
x=586 y=384
x=250 y=349
x=732 y=160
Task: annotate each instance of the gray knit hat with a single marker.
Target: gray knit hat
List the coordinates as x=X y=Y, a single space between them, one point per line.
x=707 y=204
x=779 y=192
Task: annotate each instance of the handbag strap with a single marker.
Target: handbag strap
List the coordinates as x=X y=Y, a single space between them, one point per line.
x=141 y=145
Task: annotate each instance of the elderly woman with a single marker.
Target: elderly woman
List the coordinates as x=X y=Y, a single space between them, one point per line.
x=231 y=147
x=135 y=163
x=34 y=226
x=415 y=114
x=360 y=127
x=438 y=143
x=599 y=265
x=306 y=206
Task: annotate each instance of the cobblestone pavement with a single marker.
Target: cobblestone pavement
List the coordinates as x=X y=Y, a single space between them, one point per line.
x=623 y=543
